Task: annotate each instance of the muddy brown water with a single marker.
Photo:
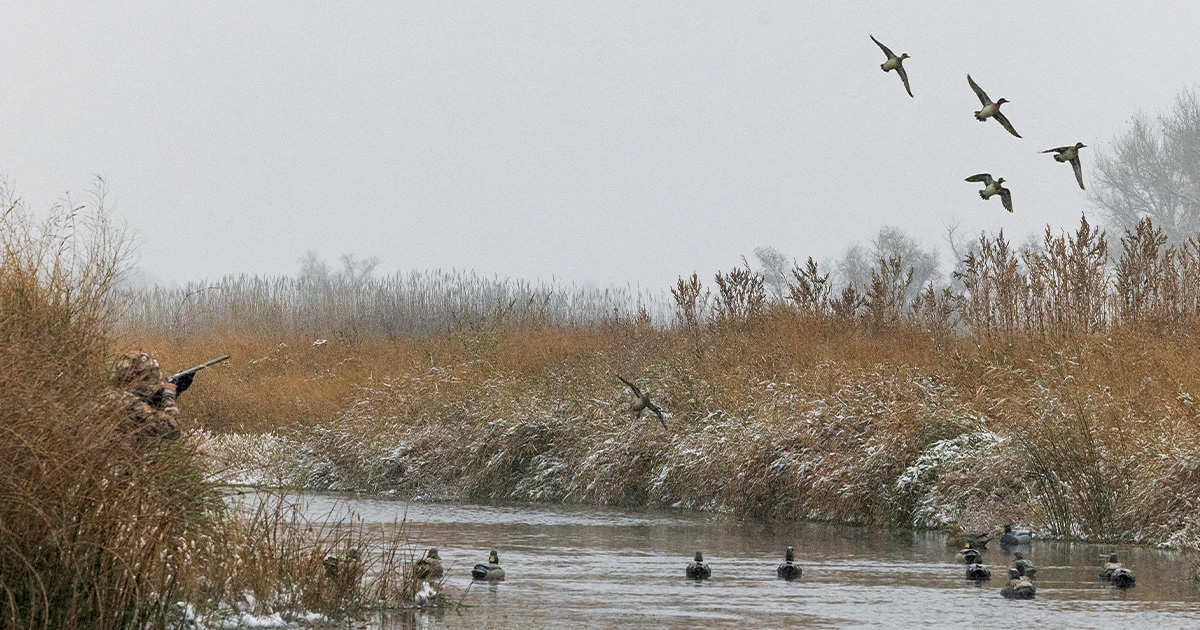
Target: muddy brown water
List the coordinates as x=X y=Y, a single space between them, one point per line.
x=583 y=567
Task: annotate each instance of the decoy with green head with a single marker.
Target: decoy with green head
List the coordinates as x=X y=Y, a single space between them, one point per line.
x=491 y=572
x=993 y=187
x=990 y=109
x=642 y=402
x=1070 y=154
x=697 y=569
x=788 y=570
x=429 y=568
x=894 y=63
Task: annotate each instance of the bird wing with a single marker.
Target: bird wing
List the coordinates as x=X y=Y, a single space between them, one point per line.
x=658 y=412
x=904 y=78
x=986 y=178
x=1004 y=121
x=983 y=97
x=1056 y=150
x=1006 y=197
x=887 y=51
x=636 y=392
x=1078 y=172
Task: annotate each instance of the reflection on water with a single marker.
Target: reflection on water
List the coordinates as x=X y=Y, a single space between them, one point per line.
x=597 y=568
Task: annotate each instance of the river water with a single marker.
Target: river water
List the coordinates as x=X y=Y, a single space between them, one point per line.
x=580 y=567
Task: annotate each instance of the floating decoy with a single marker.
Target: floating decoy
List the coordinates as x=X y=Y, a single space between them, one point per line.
x=1116 y=574
x=1018 y=587
x=993 y=187
x=978 y=540
x=643 y=402
x=787 y=570
x=1070 y=154
x=1013 y=537
x=697 y=570
x=990 y=109
x=492 y=572
x=894 y=63
x=429 y=568
x=978 y=572
x=1023 y=566
x=969 y=555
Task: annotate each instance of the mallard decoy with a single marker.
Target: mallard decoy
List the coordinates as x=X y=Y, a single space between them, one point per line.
x=490 y=571
x=993 y=187
x=978 y=540
x=969 y=555
x=1023 y=566
x=978 y=572
x=429 y=568
x=643 y=402
x=1018 y=587
x=787 y=570
x=894 y=63
x=1014 y=537
x=697 y=570
x=1070 y=154
x=990 y=109
x=1116 y=574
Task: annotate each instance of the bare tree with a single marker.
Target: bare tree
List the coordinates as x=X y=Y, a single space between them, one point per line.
x=774 y=270
x=1153 y=170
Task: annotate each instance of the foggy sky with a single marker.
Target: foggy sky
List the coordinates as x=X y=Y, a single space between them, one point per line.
x=593 y=142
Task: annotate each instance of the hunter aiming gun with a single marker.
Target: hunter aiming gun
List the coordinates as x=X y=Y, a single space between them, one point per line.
x=183 y=380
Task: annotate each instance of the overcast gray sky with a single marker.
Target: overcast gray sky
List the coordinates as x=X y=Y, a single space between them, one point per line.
x=596 y=142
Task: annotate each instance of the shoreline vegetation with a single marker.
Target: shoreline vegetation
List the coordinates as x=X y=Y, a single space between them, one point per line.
x=1051 y=386
x=100 y=529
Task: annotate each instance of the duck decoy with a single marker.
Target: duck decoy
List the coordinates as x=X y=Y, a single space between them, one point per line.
x=990 y=109
x=492 y=572
x=894 y=63
x=1023 y=566
x=1018 y=587
x=642 y=402
x=789 y=571
x=969 y=555
x=1014 y=537
x=978 y=540
x=978 y=572
x=429 y=568
x=1116 y=574
x=993 y=187
x=1070 y=154
x=346 y=568
x=697 y=569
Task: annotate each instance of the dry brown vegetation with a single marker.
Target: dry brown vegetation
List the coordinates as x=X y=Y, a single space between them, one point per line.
x=101 y=530
x=1057 y=390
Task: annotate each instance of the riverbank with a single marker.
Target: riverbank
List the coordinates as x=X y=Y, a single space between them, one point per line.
x=1095 y=438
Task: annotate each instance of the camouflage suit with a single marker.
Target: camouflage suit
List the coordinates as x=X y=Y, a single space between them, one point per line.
x=146 y=400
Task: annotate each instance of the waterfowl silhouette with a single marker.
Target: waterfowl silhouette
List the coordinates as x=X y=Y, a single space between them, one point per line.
x=1014 y=537
x=1023 y=566
x=978 y=540
x=1018 y=587
x=697 y=570
x=969 y=555
x=643 y=402
x=894 y=63
x=990 y=109
x=978 y=572
x=1116 y=574
x=1070 y=154
x=429 y=568
x=345 y=570
x=787 y=570
x=993 y=187
x=492 y=572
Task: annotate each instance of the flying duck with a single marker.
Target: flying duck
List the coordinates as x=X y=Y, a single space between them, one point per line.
x=990 y=109
x=1070 y=154
x=993 y=187
x=894 y=63
x=643 y=402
